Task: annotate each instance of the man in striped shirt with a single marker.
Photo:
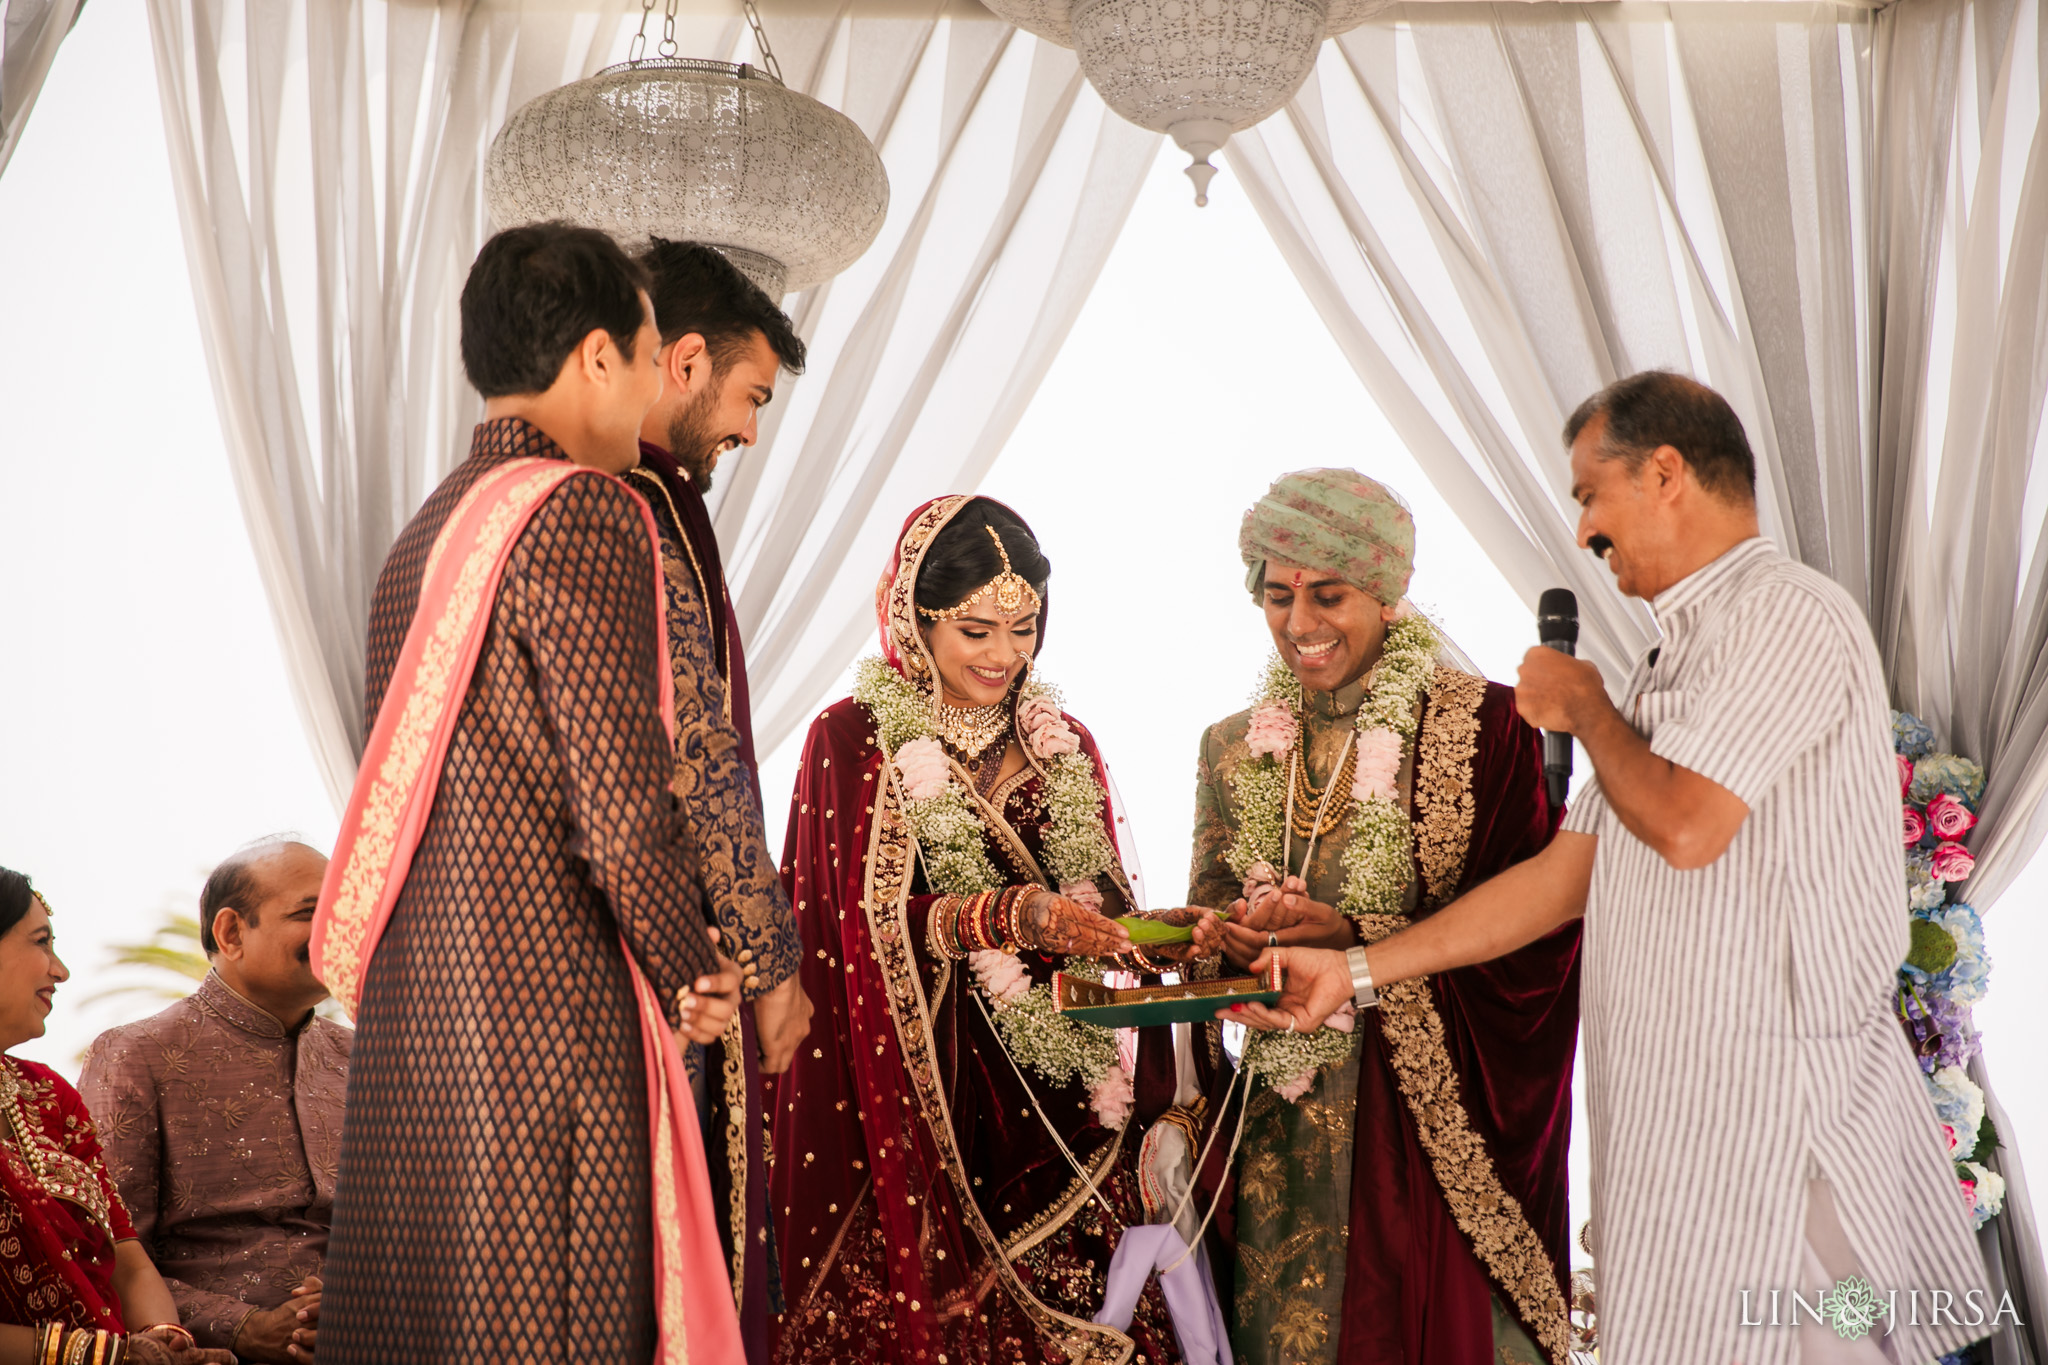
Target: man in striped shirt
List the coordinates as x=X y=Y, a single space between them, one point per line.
x=1758 y=1125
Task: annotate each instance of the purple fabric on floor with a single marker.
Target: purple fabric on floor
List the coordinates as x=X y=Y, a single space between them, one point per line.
x=1189 y=1289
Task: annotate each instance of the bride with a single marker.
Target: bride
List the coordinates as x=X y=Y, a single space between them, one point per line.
x=954 y=1161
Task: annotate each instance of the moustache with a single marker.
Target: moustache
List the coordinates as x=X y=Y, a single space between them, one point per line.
x=1601 y=547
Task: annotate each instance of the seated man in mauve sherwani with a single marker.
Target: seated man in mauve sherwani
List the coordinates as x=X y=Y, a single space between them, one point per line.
x=221 y=1116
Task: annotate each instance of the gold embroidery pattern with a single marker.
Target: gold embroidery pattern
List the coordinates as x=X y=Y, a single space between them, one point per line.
x=673 y=1344
x=735 y=1075
x=1491 y=1218
x=1443 y=781
x=57 y=1171
x=375 y=845
x=1054 y=1216
x=887 y=888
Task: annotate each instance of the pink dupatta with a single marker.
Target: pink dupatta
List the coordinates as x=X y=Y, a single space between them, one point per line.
x=388 y=812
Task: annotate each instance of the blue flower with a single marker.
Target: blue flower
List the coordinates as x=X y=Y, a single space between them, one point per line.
x=1922 y=891
x=1968 y=977
x=1936 y=773
x=1911 y=735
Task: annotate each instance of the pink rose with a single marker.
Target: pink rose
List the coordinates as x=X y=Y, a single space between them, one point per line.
x=1915 y=827
x=1344 y=1019
x=1969 y=1189
x=1271 y=730
x=1948 y=1135
x=1084 y=894
x=1295 y=1087
x=1948 y=817
x=1952 y=862
x=1001 y=976
x=1379 y=766
x=1905 y=774
x=922 y=768
x=1111 y=1098
x=1044 y=729
x=1260 y=881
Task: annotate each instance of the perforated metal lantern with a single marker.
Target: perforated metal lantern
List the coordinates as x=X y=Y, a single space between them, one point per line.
x=790 y=189
x=1196 y=70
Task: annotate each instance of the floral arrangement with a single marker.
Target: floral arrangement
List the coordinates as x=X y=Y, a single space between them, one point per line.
x=1379 y=857
x=952 y=841
x=1947 y=968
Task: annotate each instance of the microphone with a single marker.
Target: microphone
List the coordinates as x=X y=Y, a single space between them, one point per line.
x=1557 y=627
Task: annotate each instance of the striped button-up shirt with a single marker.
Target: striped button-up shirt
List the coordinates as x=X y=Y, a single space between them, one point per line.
x=1739 y=1025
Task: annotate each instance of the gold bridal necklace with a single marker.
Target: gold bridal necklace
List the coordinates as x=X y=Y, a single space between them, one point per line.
x=970 y=730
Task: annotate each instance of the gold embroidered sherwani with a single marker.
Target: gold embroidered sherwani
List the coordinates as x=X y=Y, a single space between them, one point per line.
x=1452 y=1267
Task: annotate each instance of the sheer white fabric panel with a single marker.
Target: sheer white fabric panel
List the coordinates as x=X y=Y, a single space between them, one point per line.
x=1009 y=182
x=30 y=31
x=1837 y=218
x=328 y=160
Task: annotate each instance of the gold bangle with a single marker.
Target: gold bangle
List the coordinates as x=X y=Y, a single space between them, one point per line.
x=49 y=1343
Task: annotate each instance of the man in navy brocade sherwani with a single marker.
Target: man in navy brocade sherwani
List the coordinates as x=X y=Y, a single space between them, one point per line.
x=723 y=344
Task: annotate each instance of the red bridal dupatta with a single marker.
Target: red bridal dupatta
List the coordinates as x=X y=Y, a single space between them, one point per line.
x=919 y=1184
x=388 y=812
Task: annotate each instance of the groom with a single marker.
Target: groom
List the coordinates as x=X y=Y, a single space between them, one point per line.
x=1407 y=1206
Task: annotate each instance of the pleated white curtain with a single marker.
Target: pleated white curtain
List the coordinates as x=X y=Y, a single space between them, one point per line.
x=30 y=32
x=1837 y=217
x=328 y=155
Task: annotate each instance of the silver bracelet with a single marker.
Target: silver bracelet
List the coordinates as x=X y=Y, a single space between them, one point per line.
x=1363 y=994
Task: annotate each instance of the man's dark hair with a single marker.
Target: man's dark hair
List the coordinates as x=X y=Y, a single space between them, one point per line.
x=1659 y=408
x=16 y=895
x=962 y=558
x=234 y=883
x=696 y=289
x=533 y=294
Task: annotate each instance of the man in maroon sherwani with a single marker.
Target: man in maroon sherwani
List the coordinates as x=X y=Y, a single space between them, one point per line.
x=723 y=344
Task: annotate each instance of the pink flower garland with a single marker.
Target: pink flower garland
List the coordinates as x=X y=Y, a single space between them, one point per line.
x=1045 y=731
x=1379 y=766
x=921 y=765
x=1271 y=731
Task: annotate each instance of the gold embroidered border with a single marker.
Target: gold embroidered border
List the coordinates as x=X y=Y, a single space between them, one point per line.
x=1491 y=1219
x=735 y=1076
x=1443 y=781
x=426 y=697
x=1054 y=1216
x=887 y=887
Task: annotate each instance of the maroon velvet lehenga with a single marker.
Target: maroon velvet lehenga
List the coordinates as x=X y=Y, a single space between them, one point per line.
x=925 y=1211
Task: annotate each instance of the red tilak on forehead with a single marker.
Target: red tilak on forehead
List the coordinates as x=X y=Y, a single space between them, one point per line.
x=1297 y=578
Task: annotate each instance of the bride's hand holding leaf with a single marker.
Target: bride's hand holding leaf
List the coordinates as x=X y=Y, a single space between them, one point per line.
x=1179 y=947
x=1053 y=924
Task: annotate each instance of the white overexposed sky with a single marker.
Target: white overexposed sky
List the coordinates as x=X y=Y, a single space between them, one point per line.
x=146 y=726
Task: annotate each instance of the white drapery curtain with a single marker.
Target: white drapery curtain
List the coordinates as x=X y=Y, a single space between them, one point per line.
x=30 y=32
x=328 y=159
x=1836 y=217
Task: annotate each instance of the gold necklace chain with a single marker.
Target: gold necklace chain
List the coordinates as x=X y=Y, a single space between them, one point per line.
x=1308 y=798
x=968 y=730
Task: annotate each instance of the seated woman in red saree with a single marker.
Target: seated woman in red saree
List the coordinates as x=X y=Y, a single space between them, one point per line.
x=954 y=1162
x=73 y=1279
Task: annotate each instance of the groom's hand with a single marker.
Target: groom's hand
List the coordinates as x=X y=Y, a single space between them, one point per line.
x=1286 y=917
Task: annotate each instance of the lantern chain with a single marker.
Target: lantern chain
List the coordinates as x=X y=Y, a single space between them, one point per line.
x=768 y=62
x=667 y=47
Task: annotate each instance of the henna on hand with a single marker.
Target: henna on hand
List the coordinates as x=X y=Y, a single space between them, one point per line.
x=1054 y=924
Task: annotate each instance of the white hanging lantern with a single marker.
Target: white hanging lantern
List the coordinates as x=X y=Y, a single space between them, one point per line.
x=1196 y=70
x=789 y=189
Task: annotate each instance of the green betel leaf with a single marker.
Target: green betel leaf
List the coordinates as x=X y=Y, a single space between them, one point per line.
x=1933 y=950
x=1149 y=931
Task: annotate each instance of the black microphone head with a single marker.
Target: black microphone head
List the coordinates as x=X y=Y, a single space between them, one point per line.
x=1557 y=615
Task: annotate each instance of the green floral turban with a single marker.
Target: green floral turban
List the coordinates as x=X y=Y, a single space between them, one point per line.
x=1333 y=519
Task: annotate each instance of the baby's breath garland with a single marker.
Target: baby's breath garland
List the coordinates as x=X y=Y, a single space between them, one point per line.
x=1378 y=860
x=953 y=842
